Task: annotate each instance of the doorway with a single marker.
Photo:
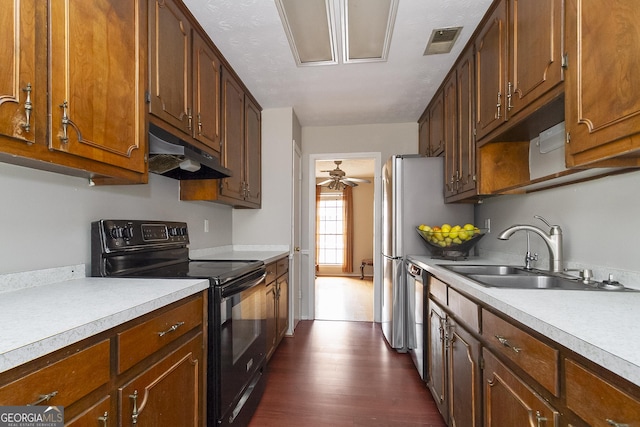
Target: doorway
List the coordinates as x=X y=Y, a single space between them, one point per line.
x=338 y=289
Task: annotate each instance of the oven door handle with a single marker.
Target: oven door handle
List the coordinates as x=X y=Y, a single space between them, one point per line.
x=242 y=286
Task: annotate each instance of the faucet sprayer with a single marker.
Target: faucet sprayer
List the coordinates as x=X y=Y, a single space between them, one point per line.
x=553 y=240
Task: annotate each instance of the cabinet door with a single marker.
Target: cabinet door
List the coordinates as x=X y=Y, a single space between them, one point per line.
x=97 y=108
x=509 y=401
x=466 y=153
x=167 y=393
x=491 y=55
x=271 y=326
x=18 y=86
x=423 y=134
x=535 y=40
x=465 y=378
x=451 y=156
x=436 y=125
x=170 y=65
x=98 y=415
x=206 y=94
x=436 y=353
x=602 y=82
x=283 y=306
x=253 y=155
x=232 y=155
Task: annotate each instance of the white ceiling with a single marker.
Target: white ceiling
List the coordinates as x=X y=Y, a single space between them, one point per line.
x=250 y=35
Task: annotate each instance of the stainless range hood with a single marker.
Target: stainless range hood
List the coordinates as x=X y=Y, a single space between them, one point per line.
x=175 y=158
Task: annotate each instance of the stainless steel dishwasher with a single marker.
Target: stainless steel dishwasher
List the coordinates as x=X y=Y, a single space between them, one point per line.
x=416 y=280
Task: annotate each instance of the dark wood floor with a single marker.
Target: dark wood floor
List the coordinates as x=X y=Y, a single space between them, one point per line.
x=334 y=373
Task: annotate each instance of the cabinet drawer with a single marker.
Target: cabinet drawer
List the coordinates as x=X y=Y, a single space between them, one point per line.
x=142 y=340
x=282 y=266
x=438 y=290
x=465 y=309
x=71 y=378
x=598 y=402
x=536 y=358
x=271 y=273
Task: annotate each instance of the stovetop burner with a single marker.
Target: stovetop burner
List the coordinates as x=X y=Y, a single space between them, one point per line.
x=133 y=248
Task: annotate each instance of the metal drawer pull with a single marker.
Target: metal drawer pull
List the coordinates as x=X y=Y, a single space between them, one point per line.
x=540 y=419
x=104 y=419
x=44 y=398
x=28 y=107
x=505 y=343
x=134 y=411
x=615 y=424
x=171 y=329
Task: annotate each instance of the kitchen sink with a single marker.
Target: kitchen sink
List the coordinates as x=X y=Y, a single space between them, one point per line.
x=494 y=270
x=507 y=276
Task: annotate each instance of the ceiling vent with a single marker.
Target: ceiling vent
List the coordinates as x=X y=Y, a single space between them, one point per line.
x=442 y=40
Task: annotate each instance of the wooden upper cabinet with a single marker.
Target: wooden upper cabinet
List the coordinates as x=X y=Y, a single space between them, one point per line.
x=603 y=86
x=18 y=87
x=170 y=65
x=491 y=70
x=232 y=136
x=423 y=134
x=465 y=74
x=206 y=93
x=536 y=44
x=436 y=125
x=450 y=133
x=518 y=60
x=253 y=154
x=97 y=109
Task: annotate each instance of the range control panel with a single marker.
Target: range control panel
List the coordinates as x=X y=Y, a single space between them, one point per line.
x=119 y=235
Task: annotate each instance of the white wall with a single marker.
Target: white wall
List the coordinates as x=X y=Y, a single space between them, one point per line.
x=600 y=220
x=46 y=217
x=382 y=139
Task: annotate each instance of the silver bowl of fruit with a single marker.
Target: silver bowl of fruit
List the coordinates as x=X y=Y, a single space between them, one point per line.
x=450 y=241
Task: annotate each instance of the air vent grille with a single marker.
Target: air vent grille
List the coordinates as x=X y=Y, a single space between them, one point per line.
x=442 y=40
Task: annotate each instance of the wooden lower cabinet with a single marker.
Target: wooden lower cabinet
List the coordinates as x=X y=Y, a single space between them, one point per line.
x=436 y=357
x=168 y=382
x=509 y=401
x=168 y=393
x=277 y=284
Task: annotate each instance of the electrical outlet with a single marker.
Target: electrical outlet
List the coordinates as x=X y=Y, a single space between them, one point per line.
x=487 y=225
x=206 y=225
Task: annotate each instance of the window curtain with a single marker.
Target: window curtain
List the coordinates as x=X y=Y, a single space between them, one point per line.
x=347 y=229
x=318 y=191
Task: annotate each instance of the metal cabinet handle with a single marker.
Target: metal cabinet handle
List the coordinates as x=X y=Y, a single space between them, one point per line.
x=189 y=119
x=540 y=419
x=506 y=343
x=615 y=424
x=199 y=124
x=65 y=122
x=134 y=411
x=28 y=107
x=499 y=106
x=104 y=419
x=509 y=95
x=171 y=329
x=44 y=398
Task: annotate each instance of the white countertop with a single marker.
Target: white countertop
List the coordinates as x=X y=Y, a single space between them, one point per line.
x=227 y=253
x=38 y=320
x=600 y=326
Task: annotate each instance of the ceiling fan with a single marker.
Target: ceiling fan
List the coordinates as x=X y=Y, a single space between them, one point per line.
x=338 y=179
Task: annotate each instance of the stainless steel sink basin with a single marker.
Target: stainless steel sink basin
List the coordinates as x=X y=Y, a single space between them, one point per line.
x=530 y=281
x=494 y=270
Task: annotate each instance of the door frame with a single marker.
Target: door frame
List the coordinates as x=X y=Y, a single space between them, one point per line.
x=377 y=232
x=295 y=267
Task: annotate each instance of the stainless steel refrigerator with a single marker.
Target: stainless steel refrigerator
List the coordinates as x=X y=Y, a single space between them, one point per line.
x=413 y=194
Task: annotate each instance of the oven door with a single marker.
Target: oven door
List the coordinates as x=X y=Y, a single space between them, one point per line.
x=240 y=346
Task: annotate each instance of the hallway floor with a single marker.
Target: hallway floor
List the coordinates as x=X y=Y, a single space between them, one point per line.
x=335 y=373
x=344 y=298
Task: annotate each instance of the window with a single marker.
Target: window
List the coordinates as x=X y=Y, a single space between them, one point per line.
x=330 y=229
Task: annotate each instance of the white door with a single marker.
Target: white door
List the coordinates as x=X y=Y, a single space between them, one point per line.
x=296 y=214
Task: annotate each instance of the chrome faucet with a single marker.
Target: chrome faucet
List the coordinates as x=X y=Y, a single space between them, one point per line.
x=553 y=241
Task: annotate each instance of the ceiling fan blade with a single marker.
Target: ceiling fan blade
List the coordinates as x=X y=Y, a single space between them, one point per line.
x=358 y=180
x=349 y=183
x=324 y=182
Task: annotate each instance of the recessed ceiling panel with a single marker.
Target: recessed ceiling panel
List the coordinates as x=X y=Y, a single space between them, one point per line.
x=310 y=28
x=367 y=28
